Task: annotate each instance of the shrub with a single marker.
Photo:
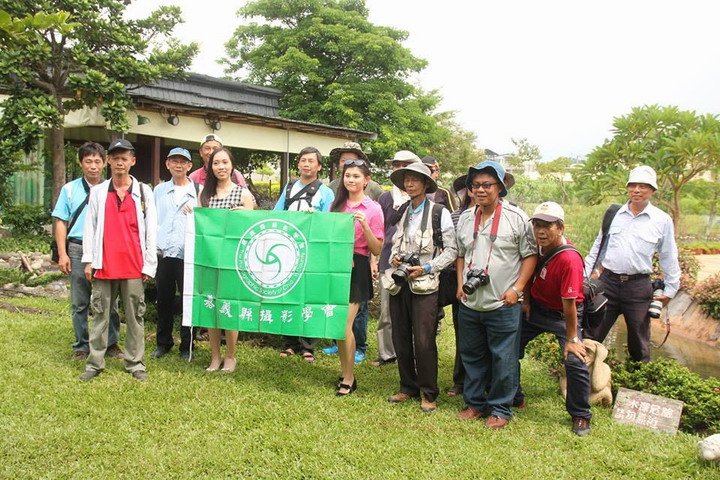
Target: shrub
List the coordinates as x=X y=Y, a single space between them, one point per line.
x=707 y=293
x=26 y=219
x=25 y=244
x=668 y=378
x=546 y=349
x=689 y=268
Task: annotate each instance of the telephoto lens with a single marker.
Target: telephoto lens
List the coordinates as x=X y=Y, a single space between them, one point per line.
x=656 y=306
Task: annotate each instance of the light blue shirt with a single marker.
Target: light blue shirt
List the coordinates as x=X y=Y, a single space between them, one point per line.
x=632 y=242
x=321 y=201
x=72 y=195
x=172 y=220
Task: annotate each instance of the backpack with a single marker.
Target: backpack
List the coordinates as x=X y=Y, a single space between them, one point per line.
x=308 y=192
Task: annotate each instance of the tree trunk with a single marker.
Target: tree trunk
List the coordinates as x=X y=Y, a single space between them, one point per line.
x=57 y=140
x=676 y=211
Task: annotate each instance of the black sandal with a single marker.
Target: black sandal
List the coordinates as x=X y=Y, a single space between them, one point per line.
x=288 y=352
x=308 y=356
x=344 y=386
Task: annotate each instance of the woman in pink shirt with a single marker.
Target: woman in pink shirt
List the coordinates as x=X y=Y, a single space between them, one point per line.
x=369 y=234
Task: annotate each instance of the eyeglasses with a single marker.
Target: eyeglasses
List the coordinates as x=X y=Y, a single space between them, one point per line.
x=433 y=170
x=178 y=160
x=484 y=186
x=355 y=161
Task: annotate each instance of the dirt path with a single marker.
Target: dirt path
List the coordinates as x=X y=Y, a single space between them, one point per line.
x=709 y=265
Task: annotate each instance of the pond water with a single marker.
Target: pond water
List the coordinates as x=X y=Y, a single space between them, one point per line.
x=697 y=356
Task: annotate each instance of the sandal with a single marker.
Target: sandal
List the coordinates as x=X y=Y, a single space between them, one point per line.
x=308 y=357
x=379 y=362
x=454 y=392
x=287 y=353
x=344 y=386
x=226 y=368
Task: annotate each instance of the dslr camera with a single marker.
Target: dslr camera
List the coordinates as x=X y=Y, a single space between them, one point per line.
x=656 y=306
x=476 y=278
x=400 y=275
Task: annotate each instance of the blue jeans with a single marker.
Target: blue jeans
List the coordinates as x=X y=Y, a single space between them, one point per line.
x=578 y=377
x=80 y=290
x=360 y=327
x=489 y=343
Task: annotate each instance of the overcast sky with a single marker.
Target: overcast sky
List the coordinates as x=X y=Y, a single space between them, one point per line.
x=555 y=72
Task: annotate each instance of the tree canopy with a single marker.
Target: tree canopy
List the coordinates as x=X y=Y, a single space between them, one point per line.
x=89 y=56
x=335 y=67
x=524 y=152
x=680 y=145
x=458 y=151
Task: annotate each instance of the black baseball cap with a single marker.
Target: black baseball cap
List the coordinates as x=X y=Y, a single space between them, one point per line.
x=120 y=144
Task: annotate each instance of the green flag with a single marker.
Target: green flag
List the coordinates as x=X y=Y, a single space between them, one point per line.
x=269 y=271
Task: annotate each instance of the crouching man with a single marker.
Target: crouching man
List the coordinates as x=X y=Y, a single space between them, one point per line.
x=556 y=297
x=419 y=253
x=119 y=250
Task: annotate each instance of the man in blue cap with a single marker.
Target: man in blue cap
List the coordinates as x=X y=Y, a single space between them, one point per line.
x=496 y=258
x=175 y=199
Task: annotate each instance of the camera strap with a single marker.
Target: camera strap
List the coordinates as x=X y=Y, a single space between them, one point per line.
x=493 y=232
x=423 y=223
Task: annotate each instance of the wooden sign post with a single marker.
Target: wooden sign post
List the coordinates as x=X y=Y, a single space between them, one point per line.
x=648 y=411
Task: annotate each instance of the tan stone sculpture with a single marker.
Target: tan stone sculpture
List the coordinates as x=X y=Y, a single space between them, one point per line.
x=709 y=449
x=600 y=376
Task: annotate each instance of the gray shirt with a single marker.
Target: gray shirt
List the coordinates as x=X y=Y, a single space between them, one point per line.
x=515 y=241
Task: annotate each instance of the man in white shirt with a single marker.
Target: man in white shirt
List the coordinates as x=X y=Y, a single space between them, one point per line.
x=638 y=230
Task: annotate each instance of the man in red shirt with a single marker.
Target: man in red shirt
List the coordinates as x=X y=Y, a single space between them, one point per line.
x=209 y=144
x=119 y=250
x=556 y=297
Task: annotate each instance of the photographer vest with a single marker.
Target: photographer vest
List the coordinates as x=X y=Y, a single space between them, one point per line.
x=426 y=242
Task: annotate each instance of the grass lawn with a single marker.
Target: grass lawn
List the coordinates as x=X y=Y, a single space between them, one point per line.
x=279 y=418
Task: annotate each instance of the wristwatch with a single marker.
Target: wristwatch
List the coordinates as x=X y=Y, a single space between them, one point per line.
x=574 y=340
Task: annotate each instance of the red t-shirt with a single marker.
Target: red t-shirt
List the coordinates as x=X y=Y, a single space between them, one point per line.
x=561 y=277
x=122 y=254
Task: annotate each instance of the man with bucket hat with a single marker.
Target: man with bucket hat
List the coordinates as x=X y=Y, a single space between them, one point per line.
x=496 y=258
x=423 y=245
x=175 y=199
x=637 y=232
x=465 y=201
x=390 y=202
x=556 y=296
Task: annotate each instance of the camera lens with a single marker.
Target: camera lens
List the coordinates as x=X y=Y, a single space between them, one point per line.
x=471 y=285
x=400 y=275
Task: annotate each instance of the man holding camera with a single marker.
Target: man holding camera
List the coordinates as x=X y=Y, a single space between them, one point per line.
x=638 y=230
x=391 y=202
x=496 y=258
x=556 y=297
x=417 y=259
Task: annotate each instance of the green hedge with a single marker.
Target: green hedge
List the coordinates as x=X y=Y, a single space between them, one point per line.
x=664 y=377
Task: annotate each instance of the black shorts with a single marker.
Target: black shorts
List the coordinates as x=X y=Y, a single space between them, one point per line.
x=361 y=285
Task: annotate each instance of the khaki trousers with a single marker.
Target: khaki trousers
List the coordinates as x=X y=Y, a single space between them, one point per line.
x=132 y=296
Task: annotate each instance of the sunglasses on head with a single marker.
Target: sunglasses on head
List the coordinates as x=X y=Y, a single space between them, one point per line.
x=355 y=161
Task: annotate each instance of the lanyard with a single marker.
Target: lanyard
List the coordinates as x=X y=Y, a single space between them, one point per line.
x=423 y=223
x=493 y=233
